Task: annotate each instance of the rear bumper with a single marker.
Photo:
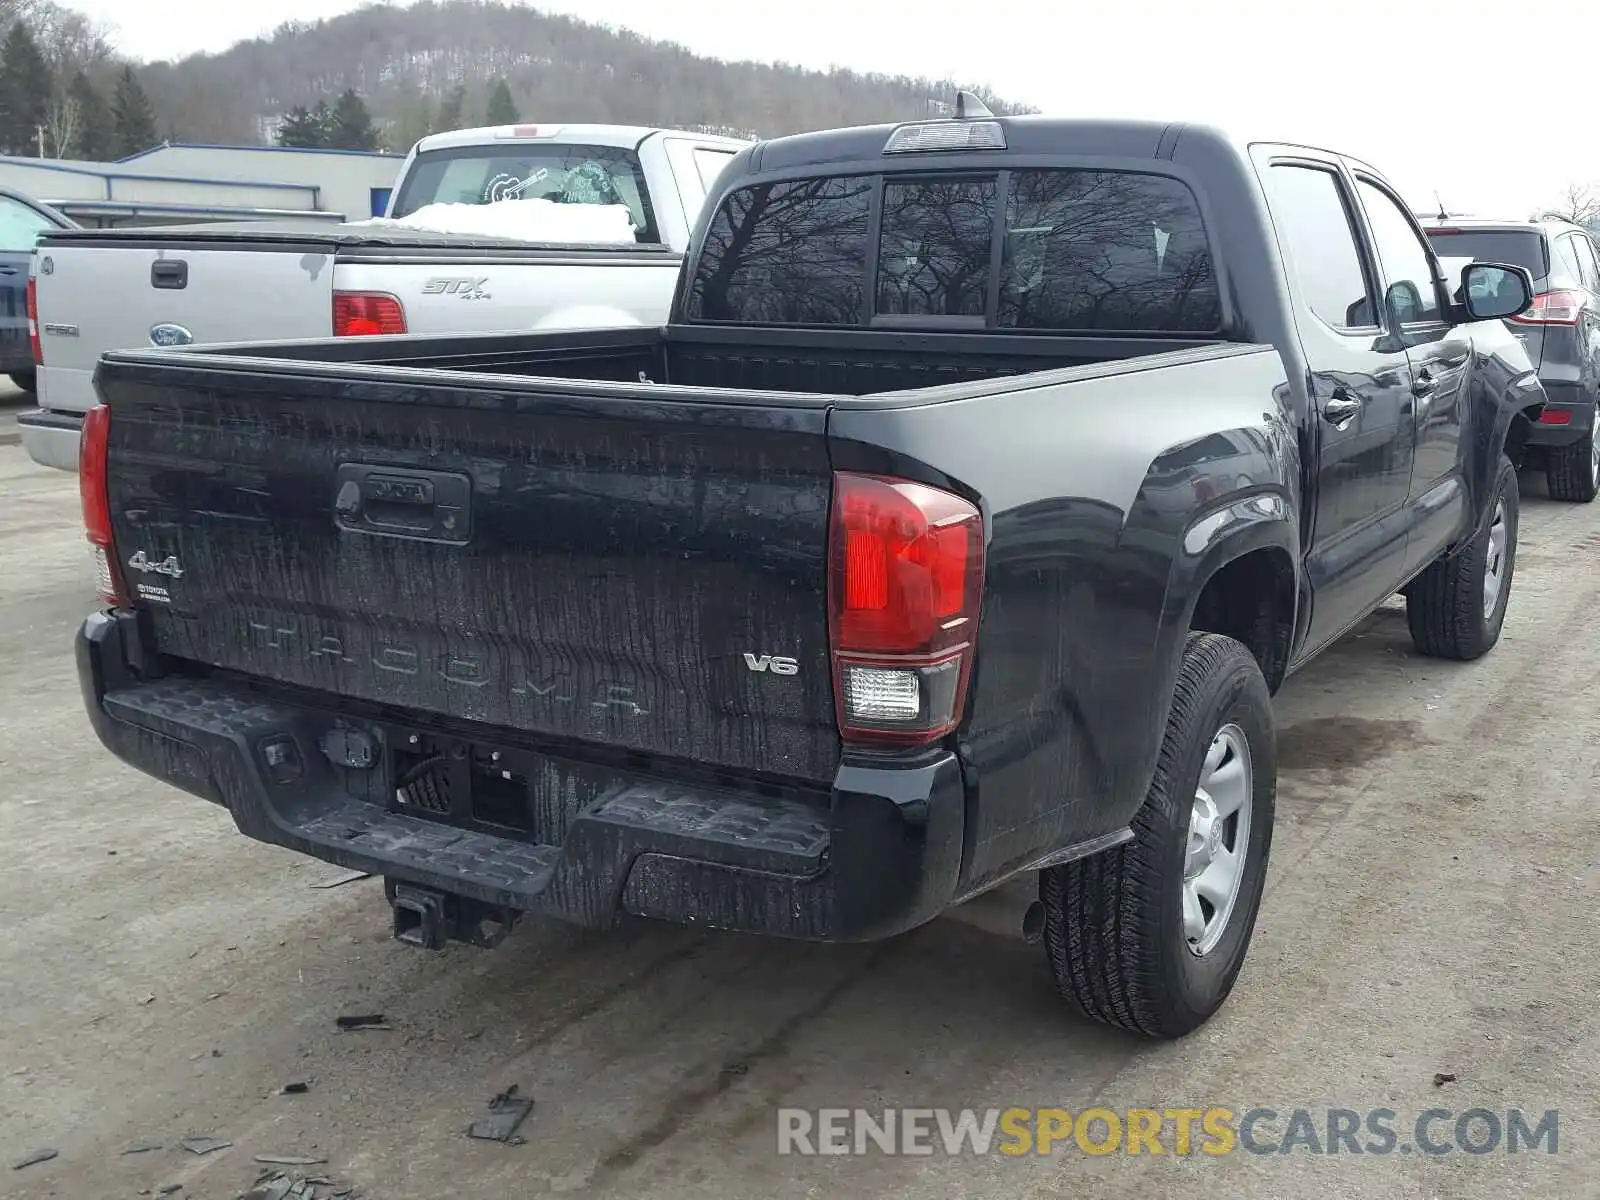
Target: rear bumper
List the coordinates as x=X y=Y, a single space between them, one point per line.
x=1579 y=408
x=51 y=438
x=880 y=855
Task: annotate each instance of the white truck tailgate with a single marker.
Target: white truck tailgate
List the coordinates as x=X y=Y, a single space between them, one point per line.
x=94 y=298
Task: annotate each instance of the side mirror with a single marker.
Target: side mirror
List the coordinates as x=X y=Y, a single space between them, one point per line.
x=1404 y=301
x=1495 y=291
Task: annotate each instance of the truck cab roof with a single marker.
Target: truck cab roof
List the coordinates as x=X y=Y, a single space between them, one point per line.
x=1552 y=224
x=621 y=136
x=1030 y=134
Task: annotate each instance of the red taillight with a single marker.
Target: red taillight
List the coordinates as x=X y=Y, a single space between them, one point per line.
x=904 y=584
x=1555 y=416
x=92 y=490
x=1553 y=308
x=33 y=323
x=362 y=314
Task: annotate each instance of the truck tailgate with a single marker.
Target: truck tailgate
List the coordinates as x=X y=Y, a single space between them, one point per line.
x=580 y=563
x=95 y=296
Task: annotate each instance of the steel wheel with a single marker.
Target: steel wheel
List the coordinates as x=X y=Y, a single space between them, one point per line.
x=1219 y=835
x=1494 y=567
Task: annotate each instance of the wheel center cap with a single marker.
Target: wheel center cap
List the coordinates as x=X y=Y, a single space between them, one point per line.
x=1214 y=842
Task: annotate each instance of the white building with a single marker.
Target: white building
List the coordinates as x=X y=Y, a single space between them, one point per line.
x=173 y=184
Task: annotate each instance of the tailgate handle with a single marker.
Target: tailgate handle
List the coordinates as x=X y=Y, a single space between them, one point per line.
x=434 y=506
x=169 y=273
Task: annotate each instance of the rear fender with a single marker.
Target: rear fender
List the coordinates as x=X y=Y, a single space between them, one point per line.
x=1221 y=538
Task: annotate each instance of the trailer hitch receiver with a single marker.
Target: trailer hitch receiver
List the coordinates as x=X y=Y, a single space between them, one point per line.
x=432 y=919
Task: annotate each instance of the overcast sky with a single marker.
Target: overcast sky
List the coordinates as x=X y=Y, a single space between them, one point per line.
x=1431 y=93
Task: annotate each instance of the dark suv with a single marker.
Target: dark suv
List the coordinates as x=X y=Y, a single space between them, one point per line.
x=1561 y=332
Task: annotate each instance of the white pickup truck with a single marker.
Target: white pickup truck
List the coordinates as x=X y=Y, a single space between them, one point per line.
x=112 y=289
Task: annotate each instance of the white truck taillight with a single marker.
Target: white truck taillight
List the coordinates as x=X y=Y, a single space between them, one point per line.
x=364 y=314
x=904 y=583
x=33 y=323
x=94 y=492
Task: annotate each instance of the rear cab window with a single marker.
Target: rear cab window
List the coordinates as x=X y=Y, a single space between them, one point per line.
x=526 y=170
x=1055 y=250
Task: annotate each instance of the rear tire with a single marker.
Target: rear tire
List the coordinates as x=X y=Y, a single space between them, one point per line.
x=1573 y=472
x=1118 y=933
x=28 y=381
x=1457 y=606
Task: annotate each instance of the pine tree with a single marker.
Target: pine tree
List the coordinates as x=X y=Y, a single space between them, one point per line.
x=94 y=137
x=26 y=87
x=450 y=116
x=502 y=108
x=351 y=127
x=301 y=130
x=133 y=121
x=411 y=118
x=322 y=122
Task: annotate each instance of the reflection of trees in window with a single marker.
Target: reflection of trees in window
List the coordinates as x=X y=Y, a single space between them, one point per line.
x=1105 y=250
x=786 y=254
x=936 y=247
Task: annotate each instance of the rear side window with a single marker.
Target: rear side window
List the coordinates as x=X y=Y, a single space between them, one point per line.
x=1081 y=252
x=1106 y=251
x=786 y=254
x=709 y=165
x=1567 y=256
x=1308 y=206
x=1586 y=261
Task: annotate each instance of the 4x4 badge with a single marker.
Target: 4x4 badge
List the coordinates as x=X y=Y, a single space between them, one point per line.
x=167 y=566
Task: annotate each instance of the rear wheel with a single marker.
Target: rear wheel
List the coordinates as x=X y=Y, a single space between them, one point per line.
x=1457 y=606
x=1573 y=472
x=1151 y=936
x=26 y=380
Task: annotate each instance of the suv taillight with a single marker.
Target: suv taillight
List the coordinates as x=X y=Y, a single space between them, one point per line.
x=33 y=323
x=93 y=491
x=904 y=583
x=1553 y=308
x=363 y=314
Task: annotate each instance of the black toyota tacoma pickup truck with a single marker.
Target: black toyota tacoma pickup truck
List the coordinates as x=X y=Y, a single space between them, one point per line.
x=988 y=478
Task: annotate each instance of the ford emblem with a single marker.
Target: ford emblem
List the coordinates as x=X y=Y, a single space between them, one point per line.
x=170 y=335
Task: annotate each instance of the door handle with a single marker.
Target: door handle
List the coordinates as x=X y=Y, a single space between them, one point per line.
x=171 y=274
x=432 y=506
x=1339 y=410
x=1424 y=385
x=8 y=270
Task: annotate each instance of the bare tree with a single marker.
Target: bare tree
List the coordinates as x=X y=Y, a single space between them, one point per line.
x=63 y=125
x=1580 y=204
